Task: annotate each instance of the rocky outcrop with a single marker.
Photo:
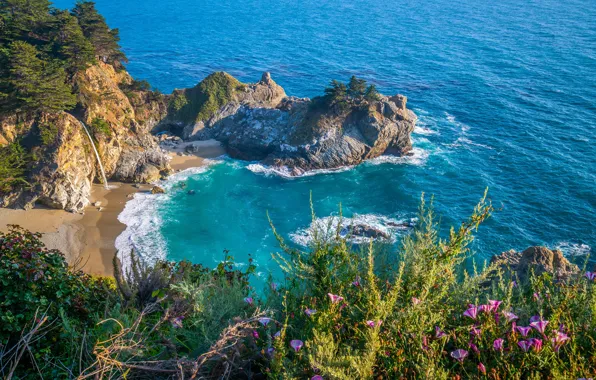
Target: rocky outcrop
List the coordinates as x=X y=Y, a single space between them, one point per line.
x=62 y=163
x=538 y=260
x=259 y=122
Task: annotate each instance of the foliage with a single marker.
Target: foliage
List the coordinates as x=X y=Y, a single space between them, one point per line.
x=340 y=313
x=202 y=101
x=13 y=165
x=48 y=133
x=342 y=96
x=100 y=127
x=42 y=48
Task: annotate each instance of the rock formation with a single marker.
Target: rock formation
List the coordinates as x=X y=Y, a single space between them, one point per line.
x=538 y=260
x=259 y=122
x=62 y=165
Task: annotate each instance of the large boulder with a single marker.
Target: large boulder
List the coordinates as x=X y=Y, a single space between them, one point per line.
x=259 y=122
x=538 y=260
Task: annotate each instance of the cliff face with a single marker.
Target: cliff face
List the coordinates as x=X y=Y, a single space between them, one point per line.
x=259 y=122
x=62 y=163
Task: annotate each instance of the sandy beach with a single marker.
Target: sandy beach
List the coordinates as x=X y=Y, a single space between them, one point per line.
x=87 y=240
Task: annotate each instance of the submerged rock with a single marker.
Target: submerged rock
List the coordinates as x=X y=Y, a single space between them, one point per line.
x=157 y=190
x=366 y=231
x=537 y=259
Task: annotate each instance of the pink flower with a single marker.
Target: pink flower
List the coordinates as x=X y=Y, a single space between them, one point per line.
x=255 y=334
x=476 y=331
x=439 y=333
x=536 y=343
x=296 y=344
x=309 y=312
x=523 y=330
x=494 y=304
x=474 y=347
x=373 y=323
x=264 y=321
x=510 y=316
x=559 y=340
x=498 y=344
x=249 y=300
x=472 y=312
x=356 y=282
x=415 y=301
x=481 y=368
x=535 y=318
x=334 y=298
x=539 y=325
x=484 y=308
x=590 y=276
x=317 y=377
x=524 y=345
x=459 y=355
x=536 y=297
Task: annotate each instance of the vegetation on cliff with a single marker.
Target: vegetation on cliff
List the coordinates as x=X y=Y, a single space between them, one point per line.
x=340 y=313
x=202 y=101
x=42 y=48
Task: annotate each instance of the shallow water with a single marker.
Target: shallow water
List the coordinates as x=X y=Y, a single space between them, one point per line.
x=504 y=90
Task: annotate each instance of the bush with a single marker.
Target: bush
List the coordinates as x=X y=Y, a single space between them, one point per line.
x=100 y=128
x=13 y=166
x=48 y=134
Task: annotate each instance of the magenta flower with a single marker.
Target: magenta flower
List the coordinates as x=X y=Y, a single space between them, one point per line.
x=264 y=321
x=255 y=334
x=373 y=323
x=474 y=347
x=459 y=355
x=482 y=368
x=535 y=318
x=536 y=297
x=476 y=331
x=356 y=282
x=472 y=312
x=296 y=344
x=494 y=304
x=415 y=301
x=559 y=340
x=590 y=276
x=510 y=316
x=498 y=344
x=439 y=333
x=309 y=312
x=334 y=298
x=249 y=300
x=317 y=377
x=536 y=343
x=539 y=325
x=484 y=308
x=523 y=330
x=524 y=345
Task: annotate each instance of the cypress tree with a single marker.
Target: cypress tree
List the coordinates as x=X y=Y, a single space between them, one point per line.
x=35 y=85
x=356 y=87
x=103 y=39
x=372 y=94
x=71 y=44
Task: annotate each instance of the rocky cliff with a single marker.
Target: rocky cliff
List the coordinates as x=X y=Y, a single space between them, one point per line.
x=259 y=122
x=62 y=164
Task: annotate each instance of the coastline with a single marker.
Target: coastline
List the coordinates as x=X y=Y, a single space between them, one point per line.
x=88 y=240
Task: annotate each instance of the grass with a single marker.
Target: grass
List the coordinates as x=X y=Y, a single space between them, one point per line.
x=335 y=313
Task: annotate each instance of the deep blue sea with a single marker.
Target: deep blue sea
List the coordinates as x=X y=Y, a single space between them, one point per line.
x=505 y=92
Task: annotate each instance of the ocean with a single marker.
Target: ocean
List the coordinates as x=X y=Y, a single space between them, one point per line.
x=505 y=92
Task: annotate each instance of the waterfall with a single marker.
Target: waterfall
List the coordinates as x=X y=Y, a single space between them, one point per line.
x=103 y=173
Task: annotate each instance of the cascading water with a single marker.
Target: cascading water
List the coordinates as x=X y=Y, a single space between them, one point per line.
x=103 y=173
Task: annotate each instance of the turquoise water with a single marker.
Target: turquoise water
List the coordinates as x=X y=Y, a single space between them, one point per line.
x=505 y=92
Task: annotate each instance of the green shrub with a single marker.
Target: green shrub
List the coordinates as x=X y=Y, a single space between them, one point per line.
x=13 y=167
x=48 y=134
x=100 y=128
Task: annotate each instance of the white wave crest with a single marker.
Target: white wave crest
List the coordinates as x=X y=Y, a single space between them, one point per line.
x=417 y=156
x=386 y=229
x=285 y=172
x=573 y=249
x=143 y=221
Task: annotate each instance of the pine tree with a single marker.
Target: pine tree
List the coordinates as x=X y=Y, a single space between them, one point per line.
x=103 y=39
x=23 y=18
x=356 y=87
x=372 y=94
x=336 y=91
x=71 y=44
x=35 y=85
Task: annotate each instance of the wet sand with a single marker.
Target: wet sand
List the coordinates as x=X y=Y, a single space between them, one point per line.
x=88 y=240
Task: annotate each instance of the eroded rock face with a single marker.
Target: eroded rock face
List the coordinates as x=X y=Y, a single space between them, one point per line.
x=298 y=134
x=63 y=168
x=537 y=259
